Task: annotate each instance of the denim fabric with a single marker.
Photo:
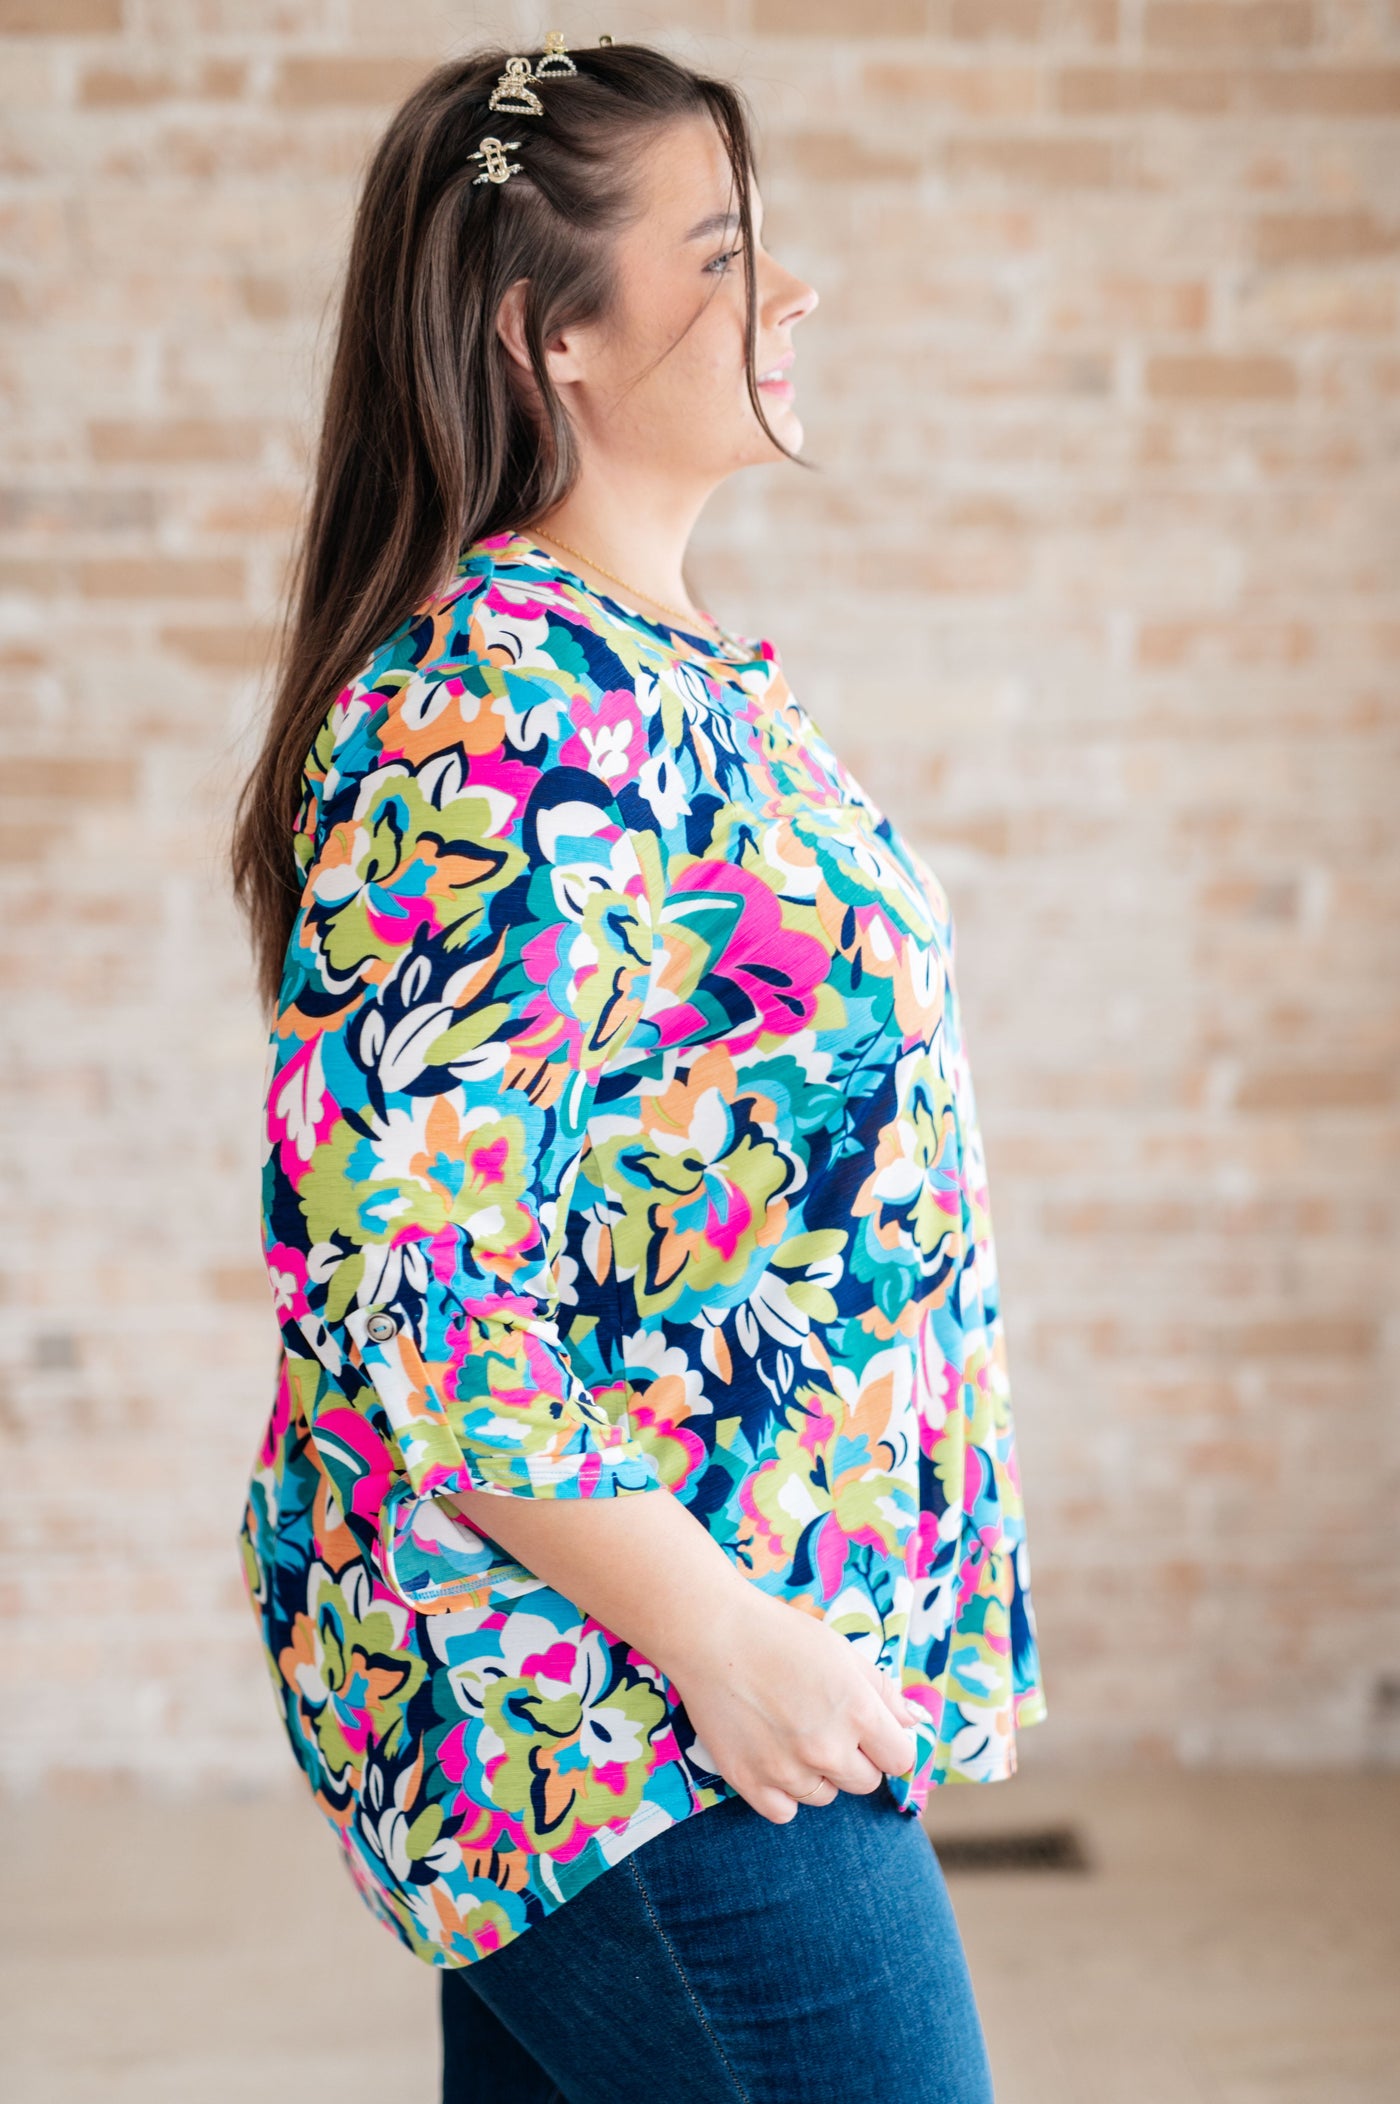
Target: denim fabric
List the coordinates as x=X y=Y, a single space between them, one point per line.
x=732 y=1961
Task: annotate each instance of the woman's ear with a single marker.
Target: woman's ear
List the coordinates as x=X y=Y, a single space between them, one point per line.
x=562 y=351
x=510 y=323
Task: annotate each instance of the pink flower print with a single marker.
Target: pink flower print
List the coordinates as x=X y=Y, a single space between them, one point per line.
x=508 y=783
x=301 y=1110
x=759 y=975
x=286 y=1269
x=607 y=736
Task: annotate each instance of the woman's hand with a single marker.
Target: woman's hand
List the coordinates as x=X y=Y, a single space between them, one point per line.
x=786 y=1708
x=783 y=1705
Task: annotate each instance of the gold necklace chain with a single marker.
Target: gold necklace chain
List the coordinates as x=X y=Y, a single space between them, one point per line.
x=615 y=579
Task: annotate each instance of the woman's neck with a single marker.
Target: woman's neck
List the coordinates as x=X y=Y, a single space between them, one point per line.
x=639 y=537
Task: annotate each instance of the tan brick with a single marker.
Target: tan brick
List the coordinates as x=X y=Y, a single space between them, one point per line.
x=75 y=780
x=1052 y=163
x=240 y=1285
x=1166 y=645
x=1306 y=303
x=34 y=231
x=197 y=439
x=1251 y=899
x=1068 y=375
x=1323 y=1089
x=1195 y=26
x=984 y=19
x=1123 y=300
x=163 y=577
x=118 y=87
x=898 y=18
x=77 y=510
x=1317 y=91
x=221 y=79
x=1385 y=375
x=1242 y=376
x=38 y=576
x=1085 y=21
x=844 y=157
x=272 y=23
x=319 y=82
x=980 y=89
x=988 y=835
x=212 y=149
x=1324 y=237
x=1149 y=1217
x=23 y=846
x=1322 y=1337
x=1104 y=91
x=60 y=17
x=237 y=647
x=265 y=297
x=258 y=509
x=955 y=566
x=984 y=508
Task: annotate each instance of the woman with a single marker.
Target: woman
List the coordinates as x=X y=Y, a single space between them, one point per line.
x=642 y=1447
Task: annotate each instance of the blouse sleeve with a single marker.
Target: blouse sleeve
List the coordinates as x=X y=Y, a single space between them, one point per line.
x=470 y=954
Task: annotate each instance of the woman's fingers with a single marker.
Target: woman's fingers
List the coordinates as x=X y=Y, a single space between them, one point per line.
x=893 y=1696
x=901 y=1708
x=890 y=1740
x=855 y=1772
x=890 y=1744
x=772 y=1804
x=817 y=1790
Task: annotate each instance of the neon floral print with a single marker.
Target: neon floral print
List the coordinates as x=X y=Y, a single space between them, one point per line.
x=620 y=1138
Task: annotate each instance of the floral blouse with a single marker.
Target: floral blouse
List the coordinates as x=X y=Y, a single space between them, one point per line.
x=619 y=1138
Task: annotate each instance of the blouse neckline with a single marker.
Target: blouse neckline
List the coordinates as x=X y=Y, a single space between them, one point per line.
x=514 y=546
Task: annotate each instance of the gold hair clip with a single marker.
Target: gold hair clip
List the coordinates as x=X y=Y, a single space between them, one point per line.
x=498 y=168
x=513 y=91
x=556 y=60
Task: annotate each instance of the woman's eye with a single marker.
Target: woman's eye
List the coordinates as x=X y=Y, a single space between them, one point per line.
x=720 y=262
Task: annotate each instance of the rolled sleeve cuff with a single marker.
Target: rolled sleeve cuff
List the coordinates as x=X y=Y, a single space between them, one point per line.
x=600 y=1472
x=507 y=1418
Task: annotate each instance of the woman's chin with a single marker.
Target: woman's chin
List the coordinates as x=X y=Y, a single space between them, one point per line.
x=786 y=426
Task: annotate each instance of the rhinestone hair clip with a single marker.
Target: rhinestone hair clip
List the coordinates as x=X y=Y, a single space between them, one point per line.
x=514 y=93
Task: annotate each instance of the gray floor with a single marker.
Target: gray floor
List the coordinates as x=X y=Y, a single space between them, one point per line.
x=1237 y=1941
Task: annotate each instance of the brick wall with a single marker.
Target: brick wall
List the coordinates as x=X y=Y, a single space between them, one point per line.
x=1097 y=588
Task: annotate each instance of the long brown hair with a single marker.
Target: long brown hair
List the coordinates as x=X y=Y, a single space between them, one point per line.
x=425 y=444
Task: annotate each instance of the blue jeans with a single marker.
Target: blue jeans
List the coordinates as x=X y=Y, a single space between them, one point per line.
x=732 y=1961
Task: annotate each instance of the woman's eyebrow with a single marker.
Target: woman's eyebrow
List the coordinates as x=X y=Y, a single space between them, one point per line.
x=715 y=224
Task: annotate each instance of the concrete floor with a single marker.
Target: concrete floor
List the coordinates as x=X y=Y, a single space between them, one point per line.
x=1236 y=1941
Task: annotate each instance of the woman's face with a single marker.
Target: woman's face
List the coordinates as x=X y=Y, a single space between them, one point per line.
x=658 y=388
